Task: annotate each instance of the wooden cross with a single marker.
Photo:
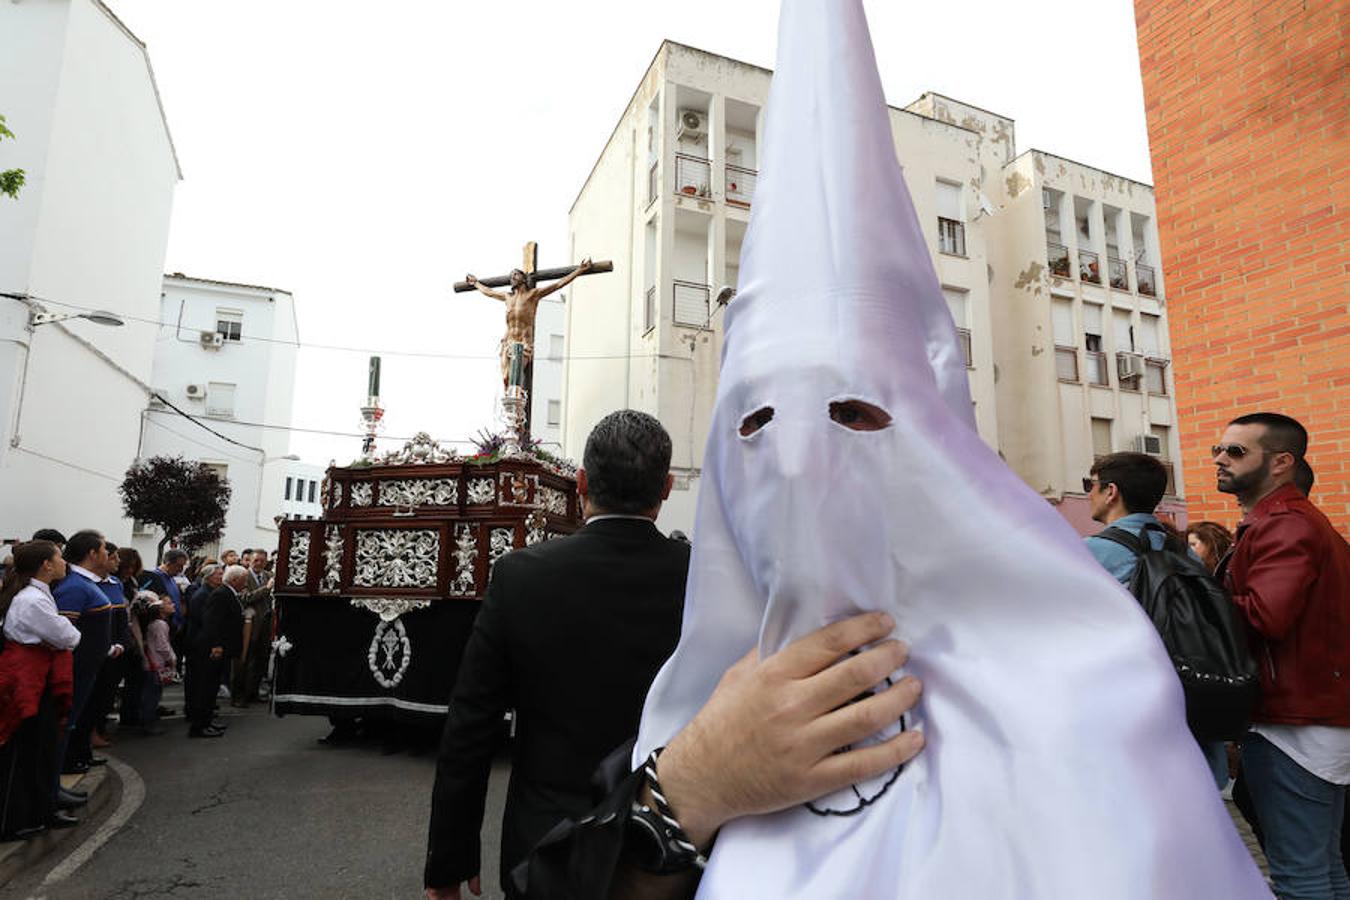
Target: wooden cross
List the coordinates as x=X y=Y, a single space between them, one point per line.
x=522 y=302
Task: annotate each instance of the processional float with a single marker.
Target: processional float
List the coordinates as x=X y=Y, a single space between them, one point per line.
x=376 y=598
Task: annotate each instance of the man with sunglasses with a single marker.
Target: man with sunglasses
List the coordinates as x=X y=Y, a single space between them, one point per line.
x=1123 y=490
x=1289 y=574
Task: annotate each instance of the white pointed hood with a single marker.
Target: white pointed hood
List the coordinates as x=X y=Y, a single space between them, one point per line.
x=1058 y=763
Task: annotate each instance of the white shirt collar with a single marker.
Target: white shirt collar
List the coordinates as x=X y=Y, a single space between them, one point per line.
x=81 y=570
x=41 y=586
x=605 y=516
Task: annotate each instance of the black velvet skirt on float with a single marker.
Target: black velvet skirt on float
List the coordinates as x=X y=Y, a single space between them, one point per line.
x=27 y=771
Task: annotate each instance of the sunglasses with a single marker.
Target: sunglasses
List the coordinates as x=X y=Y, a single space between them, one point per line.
x=1234 y=451
x=1089 y=484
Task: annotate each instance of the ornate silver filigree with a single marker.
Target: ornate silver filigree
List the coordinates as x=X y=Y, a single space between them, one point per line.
x=500 y=543
x=480 y=491
x=361 y=493
x=332 y=560
x=390 y=608
x=534 y=528
x=422 y=449
x=552 y=499
x=324 y=487
x=390 y=653
x=516 y=488
x=412 y=492
x=336 y=495
x=297 y=560
x=466 y=554
x=396 y=558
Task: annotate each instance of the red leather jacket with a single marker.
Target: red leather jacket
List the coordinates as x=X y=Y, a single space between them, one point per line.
x=1289 y=573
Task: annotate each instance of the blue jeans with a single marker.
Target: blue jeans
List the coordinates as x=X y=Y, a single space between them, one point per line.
x=151 y=691
x=1216 y=754
x=1301 y=817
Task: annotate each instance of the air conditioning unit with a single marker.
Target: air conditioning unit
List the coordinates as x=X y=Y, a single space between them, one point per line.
x=1129 y=366
x=196 y=391
x=691 y=126
x=212 y=340
x=1148 y=443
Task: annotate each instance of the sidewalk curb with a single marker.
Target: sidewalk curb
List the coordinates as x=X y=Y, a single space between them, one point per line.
x=17 y=857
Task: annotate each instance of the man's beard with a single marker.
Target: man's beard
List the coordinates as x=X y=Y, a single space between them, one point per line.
x=1246 y=482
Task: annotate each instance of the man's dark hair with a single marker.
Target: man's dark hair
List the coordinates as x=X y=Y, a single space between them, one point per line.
x=1140 y=478
x=1283 y=434
x=110 y=547
x=1303 y=476
x=173 y=556
x=81 y=544
x=49 y=534
x=627 y=459
x=246 y=550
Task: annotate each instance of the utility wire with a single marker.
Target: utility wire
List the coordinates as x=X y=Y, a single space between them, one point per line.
x=424 y=354
x=200 y=424
x=71 y=465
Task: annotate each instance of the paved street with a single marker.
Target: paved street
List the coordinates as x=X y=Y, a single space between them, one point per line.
x=264 y=812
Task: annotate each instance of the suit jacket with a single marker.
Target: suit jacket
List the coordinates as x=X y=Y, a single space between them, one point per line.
x=222 y=623
x=570 y=635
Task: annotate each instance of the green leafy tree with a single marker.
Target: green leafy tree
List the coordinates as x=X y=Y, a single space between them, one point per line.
x=10 y=179
x=186 y=499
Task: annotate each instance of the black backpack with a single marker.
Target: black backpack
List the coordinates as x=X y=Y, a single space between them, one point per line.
x=1202 y=631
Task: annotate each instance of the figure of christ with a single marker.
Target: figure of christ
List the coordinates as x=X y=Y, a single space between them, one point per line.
x=521 y=304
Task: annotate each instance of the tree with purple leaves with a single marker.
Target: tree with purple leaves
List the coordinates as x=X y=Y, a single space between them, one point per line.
x=186 y=499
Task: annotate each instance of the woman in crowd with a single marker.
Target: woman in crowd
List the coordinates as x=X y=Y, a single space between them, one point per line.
x=153 y=612
x=35 y=690
x=1210 y=541
x=132 y=670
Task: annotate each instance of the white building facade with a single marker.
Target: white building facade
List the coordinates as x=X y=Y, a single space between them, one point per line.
x=550 y=346
x=87 y=232
x=669 y=199
x=301 y=491
x=224 y=366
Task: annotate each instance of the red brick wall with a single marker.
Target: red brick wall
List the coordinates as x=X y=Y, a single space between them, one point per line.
x=1247 y=123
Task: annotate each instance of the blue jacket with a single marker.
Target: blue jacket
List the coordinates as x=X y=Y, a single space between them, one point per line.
x=84 y=603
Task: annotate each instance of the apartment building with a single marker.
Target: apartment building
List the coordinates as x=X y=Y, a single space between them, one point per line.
x=669 y=200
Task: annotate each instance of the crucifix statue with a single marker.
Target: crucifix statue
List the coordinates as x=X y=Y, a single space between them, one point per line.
x=522 y=302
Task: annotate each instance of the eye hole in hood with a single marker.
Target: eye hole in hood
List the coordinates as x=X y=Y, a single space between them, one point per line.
x=756 y=420
x=859 y=415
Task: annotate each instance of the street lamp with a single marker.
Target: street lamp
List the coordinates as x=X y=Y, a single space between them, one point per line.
x=98 y=317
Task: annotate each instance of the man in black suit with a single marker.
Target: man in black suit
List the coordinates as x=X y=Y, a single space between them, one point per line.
x=570 y=635
x=220 y=639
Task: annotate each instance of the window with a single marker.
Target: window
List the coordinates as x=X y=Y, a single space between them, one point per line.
x=1123 y=331
x=1150 y=336
x=1101 y=437
x=220 y=399
x=1066 y=354
x=555 y=346
x=1155 y=376
x=289 y=479
x=313 y=486
x=649 y=310
x=958 y=302
x=555 y=412
x=230 y=324
x=1092 y=342
x=951 y=227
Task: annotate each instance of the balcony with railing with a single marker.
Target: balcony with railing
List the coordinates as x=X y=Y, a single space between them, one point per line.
x=691 y=304
x=740 y=185
x=1066 y=363
x=1144 y=276
x=951 y=237
x=1118 y=273
x=693 y=176
x=1058 y=257
x=653 y=183
x=1089 y=268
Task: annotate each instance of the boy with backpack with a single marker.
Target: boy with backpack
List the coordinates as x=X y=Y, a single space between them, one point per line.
x=1198 y=624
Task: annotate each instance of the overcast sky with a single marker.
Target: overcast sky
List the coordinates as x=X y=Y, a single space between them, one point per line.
x=366 y=155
